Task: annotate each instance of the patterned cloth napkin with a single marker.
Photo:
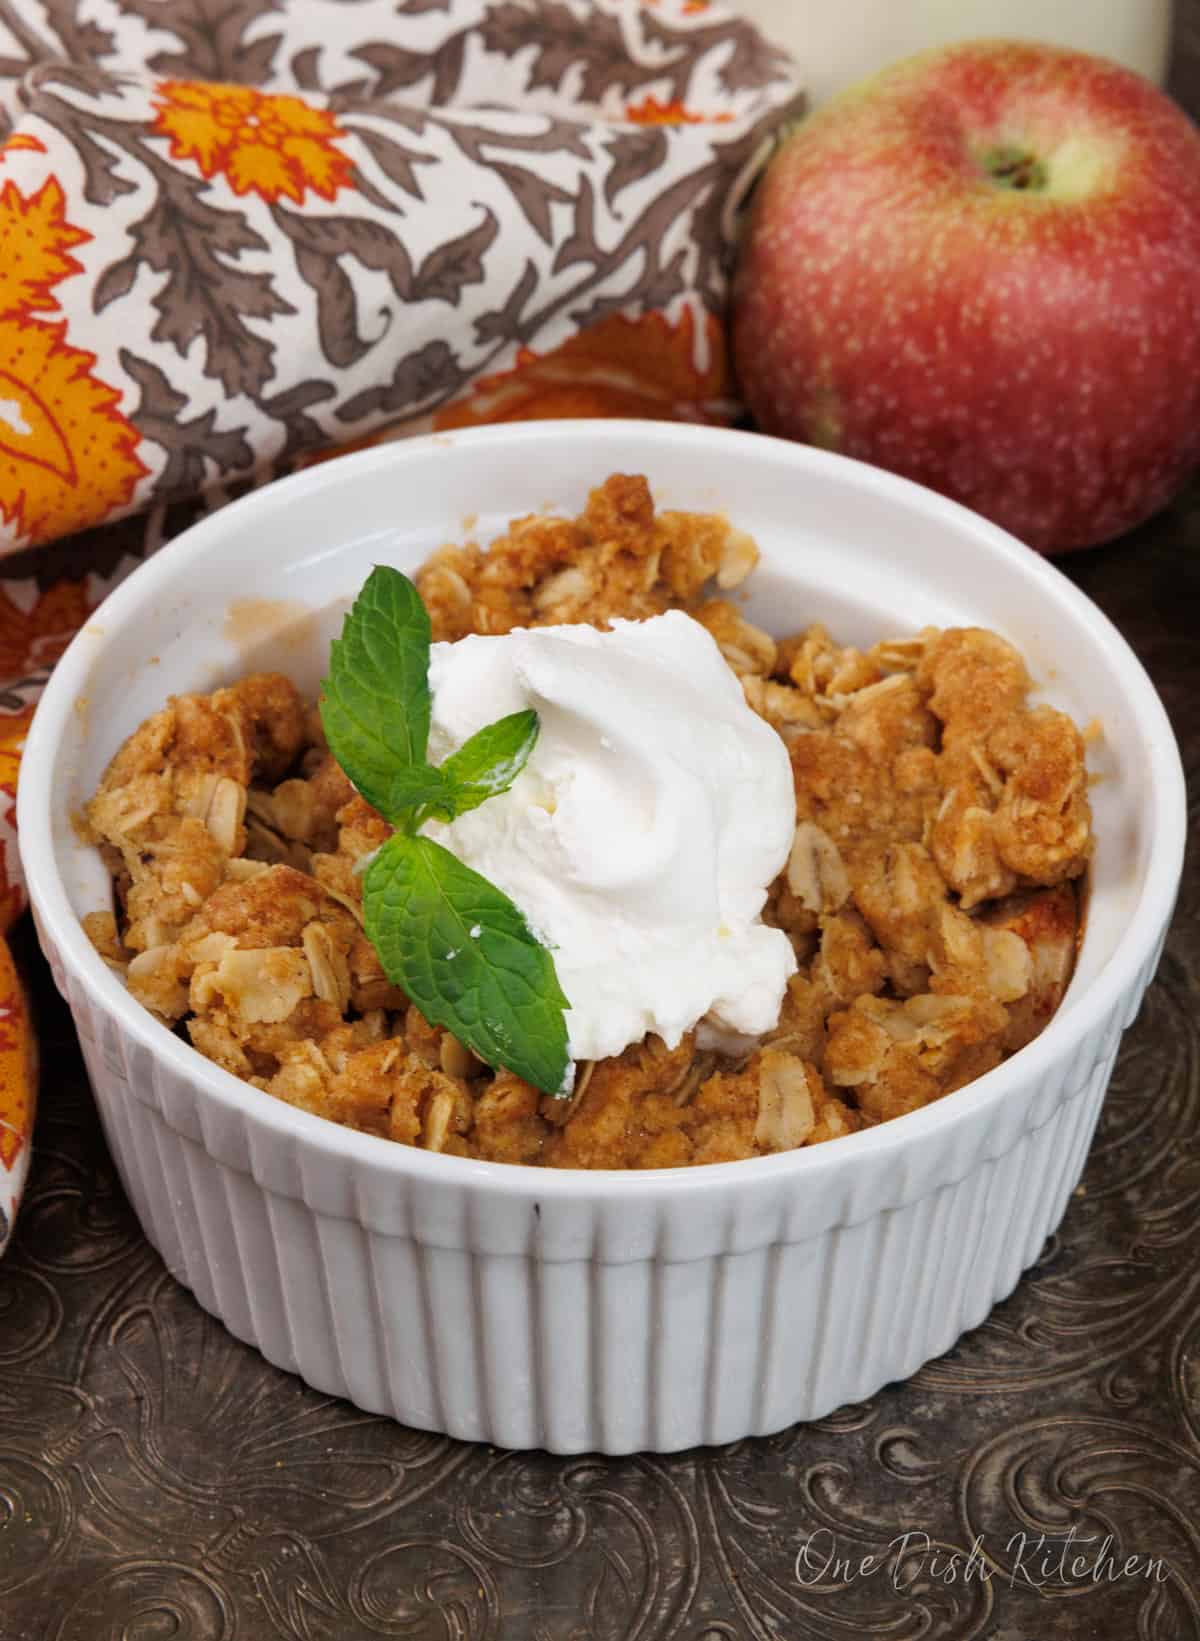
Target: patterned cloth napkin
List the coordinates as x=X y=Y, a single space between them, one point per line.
x=434 y=212
x=237 y=232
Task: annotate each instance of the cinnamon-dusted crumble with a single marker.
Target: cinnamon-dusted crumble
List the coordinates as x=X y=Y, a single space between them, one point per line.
x=941 y=823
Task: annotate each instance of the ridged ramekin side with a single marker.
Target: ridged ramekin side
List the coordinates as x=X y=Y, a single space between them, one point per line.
x=589 y=1353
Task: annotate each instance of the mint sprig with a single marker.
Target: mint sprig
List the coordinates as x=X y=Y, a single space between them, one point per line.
x=464 y=953
x=457 y=945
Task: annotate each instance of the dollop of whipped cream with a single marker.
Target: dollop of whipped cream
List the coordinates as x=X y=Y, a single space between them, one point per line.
x=642 y=835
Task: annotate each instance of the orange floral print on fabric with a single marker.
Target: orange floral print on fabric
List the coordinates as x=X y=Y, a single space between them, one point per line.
x=617 y=367
x=67 y=454
x=18 y=1063
x=21 y=141
x=270 y=145
x=651 y=112
x=37 y=238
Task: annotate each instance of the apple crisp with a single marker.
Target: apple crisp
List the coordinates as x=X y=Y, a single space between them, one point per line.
x=941 y=823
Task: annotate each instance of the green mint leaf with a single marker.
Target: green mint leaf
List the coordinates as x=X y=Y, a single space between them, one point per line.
x=376 y=704
x=491 y=760
x=466 y=957
x=418 y=792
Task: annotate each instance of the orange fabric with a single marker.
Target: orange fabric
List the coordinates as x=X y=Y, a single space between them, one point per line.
x=18 y=1067
x=617 y=367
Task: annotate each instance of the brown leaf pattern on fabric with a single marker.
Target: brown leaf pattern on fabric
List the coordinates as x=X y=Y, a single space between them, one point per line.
x=507 y=322
x=422 y=380
x=206 y=295
x=320 y=244
x=301 y=431
x=397 y=161
x=215 y=38
x=747 y=59
x=635 y=155
x=456 y=263
x=195 y=447
x=436 y=74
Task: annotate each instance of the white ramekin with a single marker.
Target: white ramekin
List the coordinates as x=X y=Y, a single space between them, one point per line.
x=573 y=1310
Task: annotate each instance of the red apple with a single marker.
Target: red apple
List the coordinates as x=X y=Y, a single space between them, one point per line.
x=981 y=269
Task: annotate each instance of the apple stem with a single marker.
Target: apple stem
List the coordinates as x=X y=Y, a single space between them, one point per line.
x=1011 y=167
